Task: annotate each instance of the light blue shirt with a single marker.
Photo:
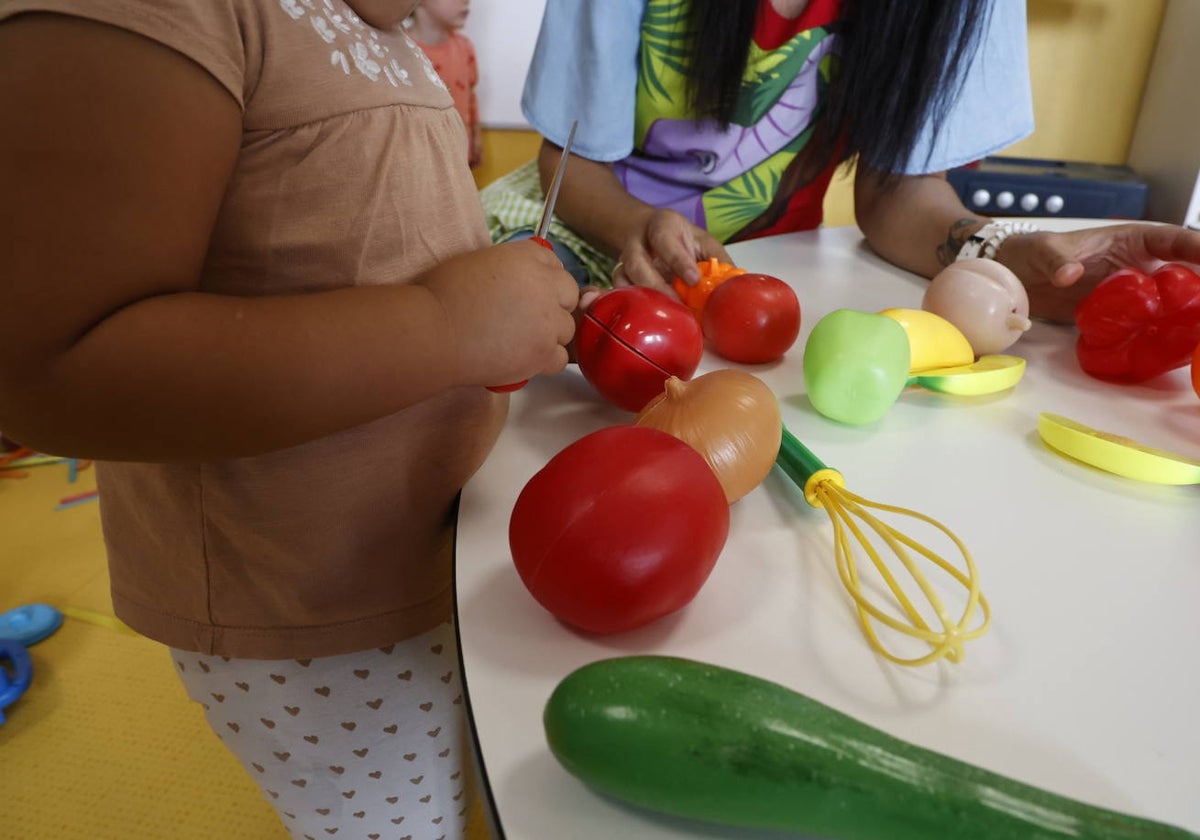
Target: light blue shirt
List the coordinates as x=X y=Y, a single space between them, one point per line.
x=585 y=67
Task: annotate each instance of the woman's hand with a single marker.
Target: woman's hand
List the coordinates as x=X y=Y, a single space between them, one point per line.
x=1060 y=269
x=652 y=246
x=665 y=247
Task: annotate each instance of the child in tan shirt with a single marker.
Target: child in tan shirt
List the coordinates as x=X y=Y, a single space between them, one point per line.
x=255 y=284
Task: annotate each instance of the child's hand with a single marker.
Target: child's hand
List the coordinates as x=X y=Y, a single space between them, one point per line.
x=509 y=312
x=587 y=296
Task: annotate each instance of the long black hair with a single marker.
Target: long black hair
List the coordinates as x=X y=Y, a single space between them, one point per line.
x=901 y=63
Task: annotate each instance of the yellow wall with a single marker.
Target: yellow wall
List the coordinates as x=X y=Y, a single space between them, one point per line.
x=1088 y=61
x=504 y=151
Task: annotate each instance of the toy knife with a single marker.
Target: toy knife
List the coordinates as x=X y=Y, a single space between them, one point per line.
x=552 y=194
x=543 y=227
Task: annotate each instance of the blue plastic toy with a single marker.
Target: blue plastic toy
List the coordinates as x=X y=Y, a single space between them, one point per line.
x=20 y=628
x=16 y=672
x=30 y=624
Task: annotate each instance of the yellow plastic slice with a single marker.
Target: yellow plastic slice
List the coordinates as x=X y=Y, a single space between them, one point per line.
x=990 y=375
x=1116 y=454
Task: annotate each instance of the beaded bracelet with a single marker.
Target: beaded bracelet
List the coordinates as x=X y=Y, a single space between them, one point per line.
x=986 y=241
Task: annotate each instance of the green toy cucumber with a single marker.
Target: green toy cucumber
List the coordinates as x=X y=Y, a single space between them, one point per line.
x=699 y=741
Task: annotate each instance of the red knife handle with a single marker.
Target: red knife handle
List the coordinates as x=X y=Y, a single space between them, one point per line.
x=504 y=389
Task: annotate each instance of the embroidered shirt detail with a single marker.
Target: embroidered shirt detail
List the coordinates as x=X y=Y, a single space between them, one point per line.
x=355 y=46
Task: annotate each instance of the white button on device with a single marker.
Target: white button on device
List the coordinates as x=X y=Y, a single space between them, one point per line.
x=980 y=198
x=1005 y=200
x=1054 y=203
x=1029 y=202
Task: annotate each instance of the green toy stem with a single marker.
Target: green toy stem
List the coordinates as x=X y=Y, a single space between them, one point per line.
x=804 y=468
x=797 y=460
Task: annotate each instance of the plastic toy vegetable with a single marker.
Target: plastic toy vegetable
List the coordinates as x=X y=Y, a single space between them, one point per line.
x=1196 y=371
x=1134 y=326
x=934 y=342
x=619 y=529
x=708 y=743
x=1115 y=454
x=985 y=300
x=632 y=340
x=713 y=273
x=855 y=365
x=752 y=319
x=730 y=417
x=988 y=375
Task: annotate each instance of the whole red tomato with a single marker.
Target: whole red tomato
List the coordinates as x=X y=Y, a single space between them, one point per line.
x=1196 y=371
x=1134 y=326
x=632 y=340
x=619 y=529
x=752 y=319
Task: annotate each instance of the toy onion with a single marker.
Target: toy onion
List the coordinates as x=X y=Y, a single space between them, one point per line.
x=730 y=417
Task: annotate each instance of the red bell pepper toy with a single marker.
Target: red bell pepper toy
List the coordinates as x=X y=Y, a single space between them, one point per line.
x=1135 y=326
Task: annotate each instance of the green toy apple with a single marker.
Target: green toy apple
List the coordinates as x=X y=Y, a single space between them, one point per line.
x=855 y=365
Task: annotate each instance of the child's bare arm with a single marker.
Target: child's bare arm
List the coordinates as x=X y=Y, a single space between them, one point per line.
x=114 y=157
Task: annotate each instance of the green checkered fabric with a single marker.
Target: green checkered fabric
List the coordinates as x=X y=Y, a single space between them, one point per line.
x=513 y=203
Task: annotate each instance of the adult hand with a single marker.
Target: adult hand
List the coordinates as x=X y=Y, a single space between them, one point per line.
x=1060 y=269
x=665 y=247
x=508 y=309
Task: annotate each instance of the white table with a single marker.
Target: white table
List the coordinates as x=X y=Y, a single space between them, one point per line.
x=1088 y=683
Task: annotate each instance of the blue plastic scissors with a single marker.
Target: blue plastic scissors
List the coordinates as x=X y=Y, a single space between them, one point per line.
x=16 y=672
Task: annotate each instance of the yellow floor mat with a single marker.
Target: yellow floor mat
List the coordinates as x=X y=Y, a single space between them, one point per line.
x=105 y=744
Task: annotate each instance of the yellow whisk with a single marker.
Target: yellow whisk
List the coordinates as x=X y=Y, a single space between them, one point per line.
x=825 y=488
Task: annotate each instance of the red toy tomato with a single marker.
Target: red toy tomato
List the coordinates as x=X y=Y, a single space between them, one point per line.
x=619 y=529
x=632 y=340
x=752 y=319
x=1133 y=326
x=1196 y=371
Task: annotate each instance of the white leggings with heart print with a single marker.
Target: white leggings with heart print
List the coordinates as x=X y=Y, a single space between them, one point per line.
x=365 y=746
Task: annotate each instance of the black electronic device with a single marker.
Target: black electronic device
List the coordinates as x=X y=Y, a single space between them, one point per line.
x=1013 y=186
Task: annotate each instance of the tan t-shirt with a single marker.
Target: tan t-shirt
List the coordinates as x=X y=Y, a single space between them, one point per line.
x=350 y=173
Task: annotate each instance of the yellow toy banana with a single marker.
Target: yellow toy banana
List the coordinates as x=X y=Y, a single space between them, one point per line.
x=934 y=341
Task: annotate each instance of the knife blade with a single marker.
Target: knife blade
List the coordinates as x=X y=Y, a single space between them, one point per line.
x=543 y=227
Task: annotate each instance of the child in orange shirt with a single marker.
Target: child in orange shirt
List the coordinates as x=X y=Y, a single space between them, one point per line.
x=435 y=25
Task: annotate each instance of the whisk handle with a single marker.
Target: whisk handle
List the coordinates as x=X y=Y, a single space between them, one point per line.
x=804 y=468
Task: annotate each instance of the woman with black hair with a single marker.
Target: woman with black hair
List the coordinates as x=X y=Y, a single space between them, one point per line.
x=703 y=122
